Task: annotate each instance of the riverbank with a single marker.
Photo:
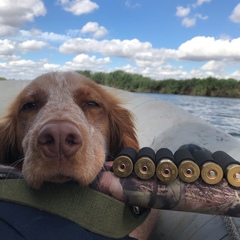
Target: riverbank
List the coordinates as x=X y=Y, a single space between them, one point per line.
x=195 y=87
x=211 y=87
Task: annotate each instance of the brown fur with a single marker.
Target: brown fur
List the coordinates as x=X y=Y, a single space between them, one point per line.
x=105 y=128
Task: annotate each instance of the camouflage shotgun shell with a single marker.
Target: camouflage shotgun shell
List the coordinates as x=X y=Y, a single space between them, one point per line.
x=123 y=163
x=144 y=166
x=166 y=170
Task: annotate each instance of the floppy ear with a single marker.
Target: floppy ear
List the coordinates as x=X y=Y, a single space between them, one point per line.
x=9 y=152
x=122 y=130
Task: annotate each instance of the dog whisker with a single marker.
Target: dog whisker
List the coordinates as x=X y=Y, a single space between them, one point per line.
x=18 y=162
x=8 y=172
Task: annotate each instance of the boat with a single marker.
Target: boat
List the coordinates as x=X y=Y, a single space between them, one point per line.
x=161 y=124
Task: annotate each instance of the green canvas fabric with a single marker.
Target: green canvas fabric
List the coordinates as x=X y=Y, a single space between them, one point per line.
x=89 y=208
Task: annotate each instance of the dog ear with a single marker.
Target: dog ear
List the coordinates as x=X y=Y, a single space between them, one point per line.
x=122 y=130
x=9 y=152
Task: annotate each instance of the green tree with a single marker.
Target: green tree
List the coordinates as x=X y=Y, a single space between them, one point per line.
x=137 y=83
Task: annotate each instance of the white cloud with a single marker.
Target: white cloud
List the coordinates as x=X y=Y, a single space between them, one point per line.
x=31 y=45
x=208 y=48
x=51 y=67
x=141 y=53
x=94 y=29
x=73 y=32
x=188 y=22
x=198 y=73
x=169 y=71
x=162 y=72
x=148 y=60
x=235 y=16
x=200 y=16
x=151 y=61
x=78 y=7
x=7 y=30
x=29 y=69
x=183 y=12
x=225 y=37
x=45 y=36
x=84 y=61
x=7 y=47
x=22 y=63
x=135 y=56
x=14 y=16
x=115 y=47
x=200 y=2
x=214 y=66
x=9 y=57
x=153 y=57
x=26 y=69
x=129 y=4
x=235 y=74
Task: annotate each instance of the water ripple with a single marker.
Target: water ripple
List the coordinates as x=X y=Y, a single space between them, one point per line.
x=223 y=113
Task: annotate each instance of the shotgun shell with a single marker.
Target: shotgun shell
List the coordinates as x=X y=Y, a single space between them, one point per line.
x=233 y=174
x=166 y=170
x=230 y=167
x=144 y=166
x=123 y=164
x=211 y=172
x=188 y=170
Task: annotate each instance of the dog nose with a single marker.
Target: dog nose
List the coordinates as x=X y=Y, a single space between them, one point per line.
x=59 y=139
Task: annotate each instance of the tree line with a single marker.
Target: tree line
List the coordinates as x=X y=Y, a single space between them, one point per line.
x=137 y=83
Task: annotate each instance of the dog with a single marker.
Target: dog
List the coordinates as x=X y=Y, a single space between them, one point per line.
x=64 y=126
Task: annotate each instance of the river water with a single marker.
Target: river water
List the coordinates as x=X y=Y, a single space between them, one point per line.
x=224 y=113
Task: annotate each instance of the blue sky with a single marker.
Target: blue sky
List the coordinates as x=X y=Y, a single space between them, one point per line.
x=156 y=38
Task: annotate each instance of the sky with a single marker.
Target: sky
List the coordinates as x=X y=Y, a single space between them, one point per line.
x=160 y=39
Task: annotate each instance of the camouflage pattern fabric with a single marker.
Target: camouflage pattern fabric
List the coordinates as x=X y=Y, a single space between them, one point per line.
x=219 y=199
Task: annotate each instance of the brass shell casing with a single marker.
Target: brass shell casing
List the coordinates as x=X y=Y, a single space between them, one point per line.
x=166 y=171
x=122 y=166
x=188 y=171
x=233 y=174
x=144 y=168
x=211 y=173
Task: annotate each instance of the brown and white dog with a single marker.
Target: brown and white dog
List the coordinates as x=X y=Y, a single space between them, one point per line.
x=62 y=127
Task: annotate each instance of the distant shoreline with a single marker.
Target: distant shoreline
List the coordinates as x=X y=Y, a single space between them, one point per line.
x=211 y=87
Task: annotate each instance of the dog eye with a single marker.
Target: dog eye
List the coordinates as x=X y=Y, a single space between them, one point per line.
x=29 y=106
x=91 y=104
